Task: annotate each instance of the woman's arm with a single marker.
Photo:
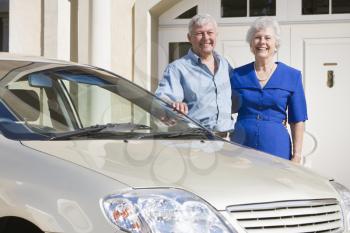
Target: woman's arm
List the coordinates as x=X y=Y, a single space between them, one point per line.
x=297 y=130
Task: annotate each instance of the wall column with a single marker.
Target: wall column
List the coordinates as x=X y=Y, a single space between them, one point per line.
x=100 y=53
x=63 y=29
x=122 y=37
x=56 y=29
x=100 y=43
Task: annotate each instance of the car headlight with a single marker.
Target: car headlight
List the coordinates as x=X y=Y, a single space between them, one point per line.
x=345 y=201
x=163 y=211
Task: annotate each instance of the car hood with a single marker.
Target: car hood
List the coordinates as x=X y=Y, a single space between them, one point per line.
x=219 y=172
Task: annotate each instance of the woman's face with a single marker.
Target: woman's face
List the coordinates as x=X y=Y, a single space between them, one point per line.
x=263 y=44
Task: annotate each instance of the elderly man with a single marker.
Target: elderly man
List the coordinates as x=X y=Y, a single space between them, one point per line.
x=198 y=84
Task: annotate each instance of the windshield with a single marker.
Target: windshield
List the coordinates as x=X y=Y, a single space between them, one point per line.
x=69 y=102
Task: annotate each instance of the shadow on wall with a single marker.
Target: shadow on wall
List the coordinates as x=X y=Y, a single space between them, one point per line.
x=4 y=25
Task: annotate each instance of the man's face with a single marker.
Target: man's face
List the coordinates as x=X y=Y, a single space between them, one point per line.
x=203 y=39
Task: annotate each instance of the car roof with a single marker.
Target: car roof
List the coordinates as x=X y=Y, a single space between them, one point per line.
x=17 y=57
x=37 y=63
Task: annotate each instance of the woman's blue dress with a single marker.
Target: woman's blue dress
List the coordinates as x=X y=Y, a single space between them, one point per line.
x=262 y=111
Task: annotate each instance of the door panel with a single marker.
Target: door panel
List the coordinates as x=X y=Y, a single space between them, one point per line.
x=328 y=105
x=232 y=48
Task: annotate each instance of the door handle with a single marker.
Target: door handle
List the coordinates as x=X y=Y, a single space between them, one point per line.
x=330 y=78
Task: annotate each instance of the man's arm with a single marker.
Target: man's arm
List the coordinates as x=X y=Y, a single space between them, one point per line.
x=170 y=89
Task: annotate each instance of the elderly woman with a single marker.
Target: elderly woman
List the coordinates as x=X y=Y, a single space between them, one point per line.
x=267 y=94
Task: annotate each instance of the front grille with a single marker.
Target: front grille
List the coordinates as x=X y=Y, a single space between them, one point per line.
x=293 y=216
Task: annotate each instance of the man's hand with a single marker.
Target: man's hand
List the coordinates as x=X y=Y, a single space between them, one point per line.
x=181 y=107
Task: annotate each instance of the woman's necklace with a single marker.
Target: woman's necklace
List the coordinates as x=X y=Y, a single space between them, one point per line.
x=263 y=76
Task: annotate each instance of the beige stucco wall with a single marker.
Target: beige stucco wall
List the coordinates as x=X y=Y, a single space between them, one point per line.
x=122 y=38
x=25 y=27
x=119 y=35
x=40 y=28
x=146 y=40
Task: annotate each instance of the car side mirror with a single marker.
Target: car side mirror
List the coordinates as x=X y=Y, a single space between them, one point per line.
x=39 y=80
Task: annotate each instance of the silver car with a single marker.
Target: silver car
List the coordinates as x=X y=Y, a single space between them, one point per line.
x=84 y=150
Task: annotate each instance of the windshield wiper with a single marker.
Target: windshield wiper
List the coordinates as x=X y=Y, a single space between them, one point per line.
x=125 y=127
x=191 y=132
x=107 y=128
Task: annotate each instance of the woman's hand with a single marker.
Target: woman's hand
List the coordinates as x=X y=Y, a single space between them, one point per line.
x=296 y=158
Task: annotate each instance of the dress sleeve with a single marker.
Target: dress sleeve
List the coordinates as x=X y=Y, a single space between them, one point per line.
x=170 y=88
x=297 y=110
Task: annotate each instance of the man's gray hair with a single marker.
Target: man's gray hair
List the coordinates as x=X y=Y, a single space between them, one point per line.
x=200 y=20
x=264 y=23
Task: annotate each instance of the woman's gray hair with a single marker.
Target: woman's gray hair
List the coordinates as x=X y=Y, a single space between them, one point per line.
x=200 y=20
x=261 y=24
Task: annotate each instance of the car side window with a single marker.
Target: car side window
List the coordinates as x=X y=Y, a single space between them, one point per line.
x=41 y=108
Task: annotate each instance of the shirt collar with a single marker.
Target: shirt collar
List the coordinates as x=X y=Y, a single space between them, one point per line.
x=194 y=57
